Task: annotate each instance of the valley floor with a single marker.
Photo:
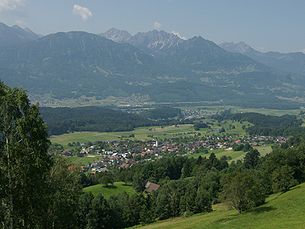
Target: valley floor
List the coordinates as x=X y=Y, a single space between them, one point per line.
x=282 y=211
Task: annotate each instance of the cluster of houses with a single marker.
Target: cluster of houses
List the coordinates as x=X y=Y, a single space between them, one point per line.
x=124 y=154
x=196 y=113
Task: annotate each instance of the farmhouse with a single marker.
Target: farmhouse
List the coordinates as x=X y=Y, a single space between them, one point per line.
x=151 y=187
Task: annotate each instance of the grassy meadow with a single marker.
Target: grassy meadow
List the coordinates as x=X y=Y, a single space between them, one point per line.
x=264 y=150
x=281 y=211
x=236 y=109
x=235 y=155
x=119 y=187
x=149 y=133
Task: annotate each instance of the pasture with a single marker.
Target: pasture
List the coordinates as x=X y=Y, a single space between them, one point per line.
x=150 y=133
x=117 y=188
x=281 y=211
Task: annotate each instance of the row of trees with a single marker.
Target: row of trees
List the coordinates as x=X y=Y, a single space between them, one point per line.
x=36 y=190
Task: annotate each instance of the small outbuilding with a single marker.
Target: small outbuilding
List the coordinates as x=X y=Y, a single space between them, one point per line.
x=151 y=187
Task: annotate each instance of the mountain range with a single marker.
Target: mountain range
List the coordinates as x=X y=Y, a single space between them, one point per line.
x=284 y=62
x=15 y=35
x=156 y=65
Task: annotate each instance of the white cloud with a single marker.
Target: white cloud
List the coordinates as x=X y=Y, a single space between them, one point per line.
x=179 y=35
x=8 y=5
x=82 y=11
x=157 y=25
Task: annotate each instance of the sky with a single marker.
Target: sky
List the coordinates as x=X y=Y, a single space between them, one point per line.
x=267 y=25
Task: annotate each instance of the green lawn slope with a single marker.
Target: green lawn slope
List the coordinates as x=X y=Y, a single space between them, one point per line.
x=119 y=187
x=281 y=211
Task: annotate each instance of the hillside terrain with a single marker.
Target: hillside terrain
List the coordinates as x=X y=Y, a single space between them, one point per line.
x=280 y=211
x=150 y=67
x=117 y=188
x=285 y=62
x=15 y=35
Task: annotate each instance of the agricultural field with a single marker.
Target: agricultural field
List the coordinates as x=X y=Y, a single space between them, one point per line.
x=272 y=112
x=150 y=133
x=117 y=188
x=210 y=110
x=234 y=155
x=264 y=150
x=281 y=211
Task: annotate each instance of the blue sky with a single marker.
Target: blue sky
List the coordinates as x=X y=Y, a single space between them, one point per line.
x=277 y=25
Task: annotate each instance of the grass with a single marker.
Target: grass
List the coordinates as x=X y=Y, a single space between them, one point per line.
x=143 y=133
x=146 y=133
x=82 y=161
x=264 y=150
x=274 y=112
x=235 y=155
x=119 y=187
x=281 y=211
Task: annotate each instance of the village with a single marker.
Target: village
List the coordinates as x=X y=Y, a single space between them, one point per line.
x=126 y=153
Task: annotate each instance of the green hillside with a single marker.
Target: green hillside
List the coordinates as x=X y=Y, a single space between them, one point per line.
x=281 y=211
x=119 y=187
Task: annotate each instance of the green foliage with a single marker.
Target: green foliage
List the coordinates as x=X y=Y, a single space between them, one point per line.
x=138 y=182
x=64 y=120
x=282 y=179
x=179 y=197
x=84 y=207
x=266 y=125
x=24 y=162
x=100 y=215
x=108 y=191
x=210 y=182
x=107 y=178
x=280 y=211
x=186 y=169
x=242 y=147
x=65 y=190
x=202 y=200
x=55 y=149
x=200 y=125
x=251 y=159
x=162 y=113
x=285 y=164
x=243 y=191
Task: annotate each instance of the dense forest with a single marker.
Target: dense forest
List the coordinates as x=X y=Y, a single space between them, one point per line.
x=63 y=120
x=163 y=113
x=103 y=119
x=266 y=125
